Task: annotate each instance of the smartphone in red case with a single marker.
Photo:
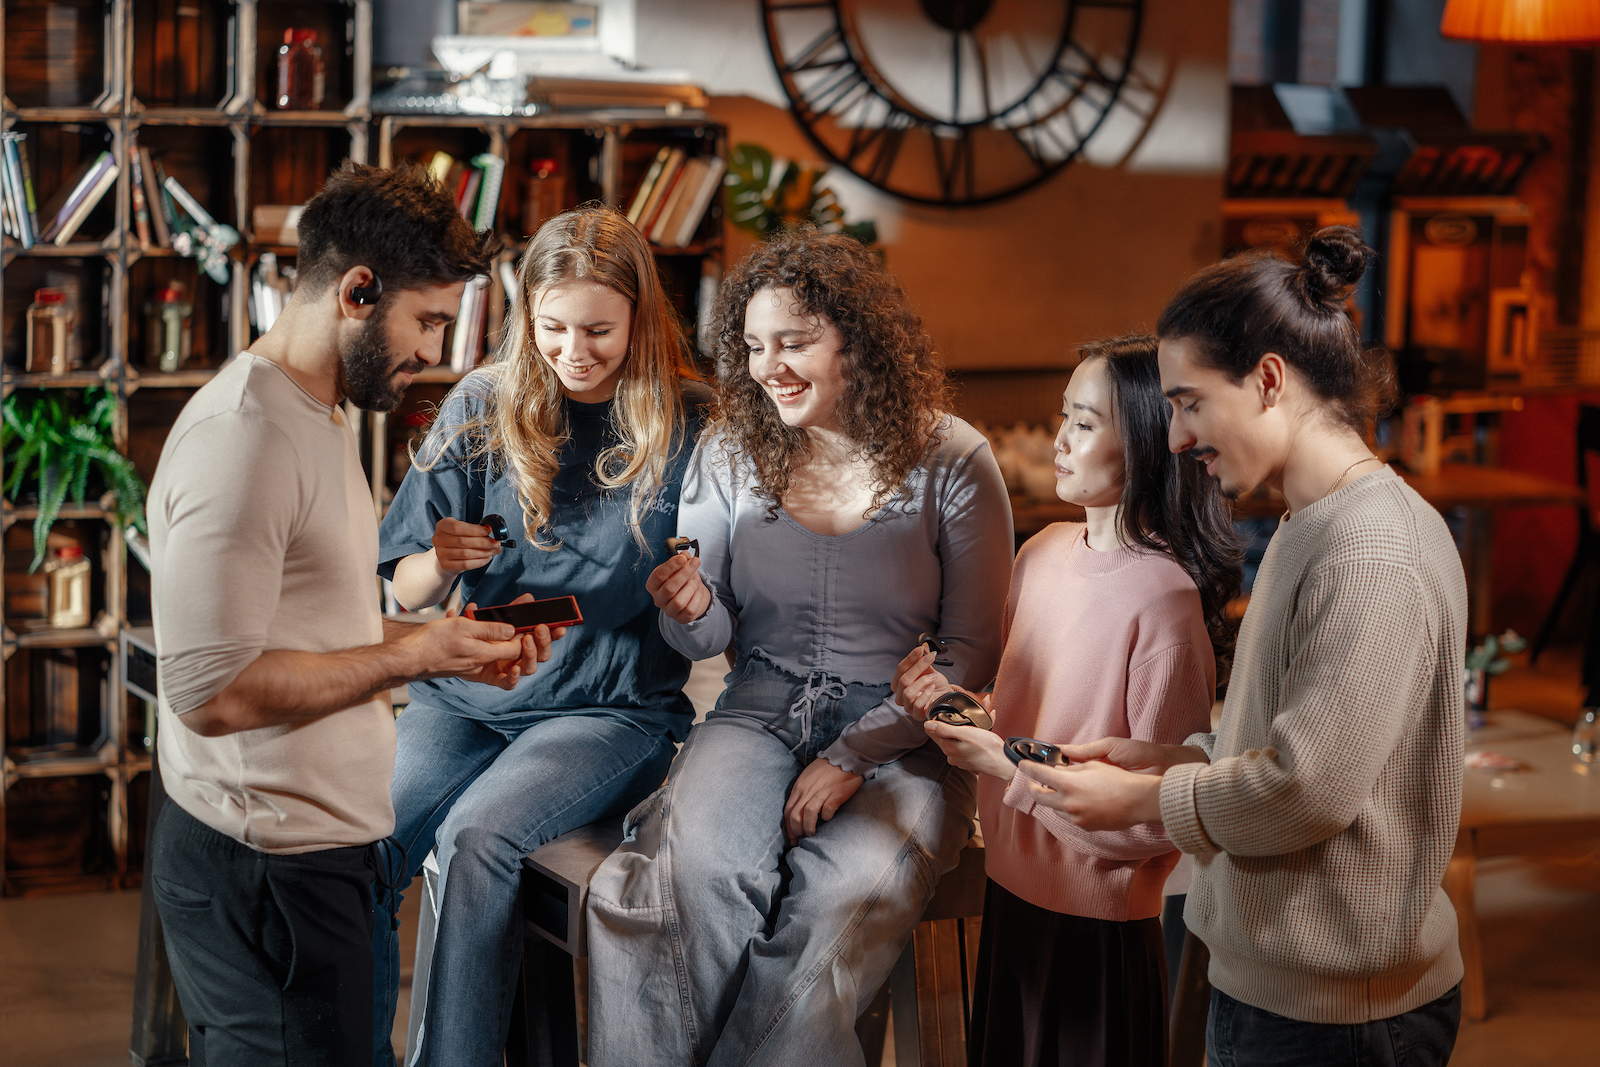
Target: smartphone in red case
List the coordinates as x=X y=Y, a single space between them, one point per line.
x=556 y=611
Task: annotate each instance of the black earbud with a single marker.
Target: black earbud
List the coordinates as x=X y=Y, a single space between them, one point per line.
x=367 y=294
x=498 y=531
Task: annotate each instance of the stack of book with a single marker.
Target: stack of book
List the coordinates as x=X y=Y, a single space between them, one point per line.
x=674 y=196
x=65 y=211
x=155 y=216
x=475 y=184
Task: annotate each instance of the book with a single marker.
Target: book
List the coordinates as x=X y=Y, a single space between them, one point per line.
x=8 y=210
x=77 y=197
x=467 y=342
x=141 y=206
x=155 y=200
x=161 y=202
x=670 y=217
x=27 y=184
x=15 y=212
x=106 y=178
x=651 y=176
x=494 y=171
x=658 y=193
x=16 y=195
x=467 y=197
x=699 y=201
x=439 y=166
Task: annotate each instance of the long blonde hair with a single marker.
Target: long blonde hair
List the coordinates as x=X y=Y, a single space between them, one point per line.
x=526 y=424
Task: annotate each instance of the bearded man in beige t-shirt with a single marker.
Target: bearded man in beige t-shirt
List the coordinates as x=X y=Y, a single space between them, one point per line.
x=276 y=739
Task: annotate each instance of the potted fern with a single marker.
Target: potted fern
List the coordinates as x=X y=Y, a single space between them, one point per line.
x=53 y=441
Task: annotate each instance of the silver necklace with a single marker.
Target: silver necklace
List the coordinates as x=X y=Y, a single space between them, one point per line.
x=1347 y=470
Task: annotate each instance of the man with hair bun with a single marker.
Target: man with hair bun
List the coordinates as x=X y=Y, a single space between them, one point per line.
x=1323 y=813
x=277 y=737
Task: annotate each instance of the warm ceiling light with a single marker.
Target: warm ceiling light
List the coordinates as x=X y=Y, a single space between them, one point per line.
x=1529 y=21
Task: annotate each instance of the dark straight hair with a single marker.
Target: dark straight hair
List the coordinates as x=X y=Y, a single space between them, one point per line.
x=1168 y=503
x=1257 y=302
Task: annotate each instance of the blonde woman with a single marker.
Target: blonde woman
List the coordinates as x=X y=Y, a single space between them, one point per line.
x=578 y=435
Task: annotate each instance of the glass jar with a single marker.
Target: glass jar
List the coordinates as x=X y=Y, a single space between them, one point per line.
x=1586 y=735
x=166 y=329
x=50 y=321
x=544 y=194
x=301 y=74
x=68 y=574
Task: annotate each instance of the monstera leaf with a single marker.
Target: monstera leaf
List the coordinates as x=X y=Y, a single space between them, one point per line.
x=54 y=439
x=767 y=194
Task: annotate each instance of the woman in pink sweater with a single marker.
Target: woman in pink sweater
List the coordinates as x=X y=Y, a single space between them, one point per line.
x=1113 y=627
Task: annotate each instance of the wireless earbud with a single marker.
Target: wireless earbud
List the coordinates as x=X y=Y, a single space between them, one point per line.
x=367 y=294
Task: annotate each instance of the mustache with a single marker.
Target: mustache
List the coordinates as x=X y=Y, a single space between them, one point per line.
x=410 y=366
x=1202 y=454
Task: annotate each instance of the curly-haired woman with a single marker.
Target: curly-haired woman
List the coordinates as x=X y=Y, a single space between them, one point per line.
x=764 y=893
x=583 y=429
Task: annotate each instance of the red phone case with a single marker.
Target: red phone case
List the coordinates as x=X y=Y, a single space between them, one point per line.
x=575 y=620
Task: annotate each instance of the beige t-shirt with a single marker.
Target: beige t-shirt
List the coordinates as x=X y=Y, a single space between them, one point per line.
x=262 y=536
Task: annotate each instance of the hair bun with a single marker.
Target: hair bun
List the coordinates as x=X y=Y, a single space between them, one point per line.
x=1336 y=258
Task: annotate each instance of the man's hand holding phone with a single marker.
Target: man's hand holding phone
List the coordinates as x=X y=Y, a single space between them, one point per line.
x=488 y=652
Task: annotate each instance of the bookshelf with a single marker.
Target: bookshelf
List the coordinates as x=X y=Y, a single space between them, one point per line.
x=193 y=84
x=189 y=82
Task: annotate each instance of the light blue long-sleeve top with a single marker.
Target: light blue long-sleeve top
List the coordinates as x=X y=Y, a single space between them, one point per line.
x=936 y=558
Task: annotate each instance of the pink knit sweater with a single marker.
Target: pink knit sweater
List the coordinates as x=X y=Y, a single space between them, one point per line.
x=1097 y=644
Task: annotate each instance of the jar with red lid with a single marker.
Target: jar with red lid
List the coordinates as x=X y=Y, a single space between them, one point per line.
x=301 y=75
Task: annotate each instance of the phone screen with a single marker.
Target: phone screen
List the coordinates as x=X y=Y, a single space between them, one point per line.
x=557 y=611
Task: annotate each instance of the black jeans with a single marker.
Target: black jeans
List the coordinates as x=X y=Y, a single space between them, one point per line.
x=271 y=955
x=1243 y=1036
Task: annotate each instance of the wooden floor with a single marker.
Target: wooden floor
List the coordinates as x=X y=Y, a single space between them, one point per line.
x=67 y=962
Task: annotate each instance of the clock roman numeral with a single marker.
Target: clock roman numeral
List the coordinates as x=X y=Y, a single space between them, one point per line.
x=827 y=93
x=884 y=141
x=814 y=55
x=954 y=163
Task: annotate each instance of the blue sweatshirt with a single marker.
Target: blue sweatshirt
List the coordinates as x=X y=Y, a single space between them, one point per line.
x=616 y=662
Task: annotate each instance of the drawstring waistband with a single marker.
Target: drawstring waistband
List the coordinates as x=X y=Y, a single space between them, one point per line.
x=818 y=684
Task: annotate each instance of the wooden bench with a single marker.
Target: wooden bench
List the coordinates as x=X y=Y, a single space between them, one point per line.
x=930 y=988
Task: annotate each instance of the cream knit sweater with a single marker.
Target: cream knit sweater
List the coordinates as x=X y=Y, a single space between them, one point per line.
x=1322 y=825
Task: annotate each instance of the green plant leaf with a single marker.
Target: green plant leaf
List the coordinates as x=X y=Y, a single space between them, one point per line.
x=52 y=493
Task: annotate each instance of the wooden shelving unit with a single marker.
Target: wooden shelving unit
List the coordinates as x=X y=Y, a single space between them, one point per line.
x=188 y=81
x=192 y=83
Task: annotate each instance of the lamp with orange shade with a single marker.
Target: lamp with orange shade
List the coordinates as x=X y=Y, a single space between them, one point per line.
x=1524 y=21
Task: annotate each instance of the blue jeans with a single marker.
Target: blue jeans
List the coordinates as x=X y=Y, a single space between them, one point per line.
x=713 y=942
x=1239 y=1035
x=485 y=799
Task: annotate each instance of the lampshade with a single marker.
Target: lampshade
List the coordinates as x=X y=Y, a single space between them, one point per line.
x=1528 y=21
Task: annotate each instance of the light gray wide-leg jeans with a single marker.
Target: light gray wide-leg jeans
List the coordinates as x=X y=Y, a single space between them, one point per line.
x=713 y=943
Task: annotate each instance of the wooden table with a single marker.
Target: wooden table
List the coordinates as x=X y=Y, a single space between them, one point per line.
x=1481 y=490
x=1550 y=809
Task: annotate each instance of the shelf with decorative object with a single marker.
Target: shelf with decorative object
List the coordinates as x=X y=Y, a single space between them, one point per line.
x=187 y=83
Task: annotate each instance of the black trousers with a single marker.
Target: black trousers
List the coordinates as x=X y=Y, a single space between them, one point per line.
x=1241 y=1035
x=1055 y=990
x=271 y=955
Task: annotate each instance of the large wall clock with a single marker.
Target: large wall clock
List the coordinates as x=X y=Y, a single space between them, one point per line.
x=952 y=102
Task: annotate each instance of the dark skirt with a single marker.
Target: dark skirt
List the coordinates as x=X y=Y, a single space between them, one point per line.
x=1055 y=990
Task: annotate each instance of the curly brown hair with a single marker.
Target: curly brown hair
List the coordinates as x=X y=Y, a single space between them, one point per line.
x=895 y=388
